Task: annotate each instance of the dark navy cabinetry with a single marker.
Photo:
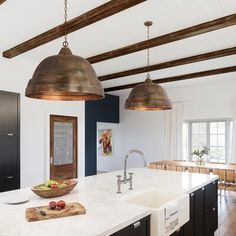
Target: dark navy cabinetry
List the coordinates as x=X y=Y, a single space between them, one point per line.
x=203 y=212
x=9 y=141
x=139 y=228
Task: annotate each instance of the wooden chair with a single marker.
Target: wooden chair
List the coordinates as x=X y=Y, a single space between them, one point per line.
x=230 y=176
x=222 y=184
x=204 y=170
x=230 y=188
x=152 y=166
x=161 y=167
x=180 y=168
x=171 y=167
x=156 y=166
x=192 y=169
x=230 y=179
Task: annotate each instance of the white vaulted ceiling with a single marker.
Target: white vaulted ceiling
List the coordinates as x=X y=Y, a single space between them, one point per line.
x=24 y=19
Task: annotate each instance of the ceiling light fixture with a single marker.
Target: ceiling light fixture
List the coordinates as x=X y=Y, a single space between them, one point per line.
x=65 y=76
x=148 y=95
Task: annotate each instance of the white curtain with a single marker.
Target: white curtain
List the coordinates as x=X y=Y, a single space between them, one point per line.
x=233 y=147
x=174 y=132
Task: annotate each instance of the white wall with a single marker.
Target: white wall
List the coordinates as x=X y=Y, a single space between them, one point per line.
x=14 y=75
x=145 y=130
x=205 y=101
x=137 y=130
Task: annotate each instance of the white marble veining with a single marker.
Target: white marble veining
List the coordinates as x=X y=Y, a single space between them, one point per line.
x=106 y=213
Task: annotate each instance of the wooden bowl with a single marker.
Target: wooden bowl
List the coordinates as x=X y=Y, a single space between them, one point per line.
x=56 y=192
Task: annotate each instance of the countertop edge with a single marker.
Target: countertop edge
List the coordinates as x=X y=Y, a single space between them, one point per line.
x=201 y=185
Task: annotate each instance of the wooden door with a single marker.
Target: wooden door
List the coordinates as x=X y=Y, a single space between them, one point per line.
x=63 y=147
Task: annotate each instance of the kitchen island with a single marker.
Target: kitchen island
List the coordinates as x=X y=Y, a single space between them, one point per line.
x=106 y=212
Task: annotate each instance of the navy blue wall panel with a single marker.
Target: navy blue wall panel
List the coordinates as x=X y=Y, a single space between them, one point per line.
x=105 y=110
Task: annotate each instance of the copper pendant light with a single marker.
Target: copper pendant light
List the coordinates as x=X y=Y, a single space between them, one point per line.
x=148 y=95
x=65 y=77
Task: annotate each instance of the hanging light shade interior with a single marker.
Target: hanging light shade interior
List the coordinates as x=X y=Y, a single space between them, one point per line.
x=65 y=77
x=148 y=95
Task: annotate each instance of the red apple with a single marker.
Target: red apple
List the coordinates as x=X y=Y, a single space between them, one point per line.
x=61 y=204
x=54 y=186
x=52 y=205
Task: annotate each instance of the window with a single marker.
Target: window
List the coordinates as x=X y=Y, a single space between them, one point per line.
x=185 y=141
x=217 y=141
x=215 y=134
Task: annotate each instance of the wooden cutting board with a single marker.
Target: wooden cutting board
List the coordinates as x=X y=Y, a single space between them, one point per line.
x=70 y=209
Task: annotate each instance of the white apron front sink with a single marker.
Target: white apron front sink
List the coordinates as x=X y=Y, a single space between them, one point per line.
x=158 y=200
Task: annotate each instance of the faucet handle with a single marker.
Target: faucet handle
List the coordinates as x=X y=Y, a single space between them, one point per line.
x=131 y=175
x=131 y=181
x=119 y=176
x=118 y=183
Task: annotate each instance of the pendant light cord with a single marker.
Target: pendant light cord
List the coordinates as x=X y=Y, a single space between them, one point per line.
x=65 y=43
x=148 y=53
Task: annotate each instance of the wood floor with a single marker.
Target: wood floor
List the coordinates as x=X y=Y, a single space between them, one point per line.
x=227 y=215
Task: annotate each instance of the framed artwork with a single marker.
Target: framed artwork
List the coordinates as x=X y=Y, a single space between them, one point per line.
x=105 y=142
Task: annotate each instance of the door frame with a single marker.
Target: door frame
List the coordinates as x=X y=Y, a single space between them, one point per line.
x=61 y=118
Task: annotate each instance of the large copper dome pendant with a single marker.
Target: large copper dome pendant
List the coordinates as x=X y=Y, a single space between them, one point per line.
x=65 y=77
x=148 y=96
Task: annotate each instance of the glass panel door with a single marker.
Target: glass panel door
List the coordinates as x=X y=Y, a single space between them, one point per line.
x=63 y=147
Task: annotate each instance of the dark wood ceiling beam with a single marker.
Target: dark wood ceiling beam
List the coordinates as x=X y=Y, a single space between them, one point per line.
x=178 y=78
x=167 y=38
x=99 y=13
x=2 y=1
x=169 y=64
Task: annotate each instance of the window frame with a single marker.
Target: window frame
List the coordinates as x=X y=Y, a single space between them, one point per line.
x=208 y=121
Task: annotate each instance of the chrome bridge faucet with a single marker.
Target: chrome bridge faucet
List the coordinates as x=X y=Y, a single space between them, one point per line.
x=130 y=179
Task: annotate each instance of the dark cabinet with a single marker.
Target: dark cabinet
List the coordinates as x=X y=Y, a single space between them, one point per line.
x=9 y=163
x=203 y=213
x=199 y=212
x=2 y=183
x=211 y=194
x=211 y=208
x=9 y=110
x=139 y=228
x=9 y=141
x=211 y=220
x=179 y=232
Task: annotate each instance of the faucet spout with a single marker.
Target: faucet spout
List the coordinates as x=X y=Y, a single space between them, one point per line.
x=126 y=158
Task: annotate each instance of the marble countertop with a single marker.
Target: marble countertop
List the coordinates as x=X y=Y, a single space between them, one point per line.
x=106 y=213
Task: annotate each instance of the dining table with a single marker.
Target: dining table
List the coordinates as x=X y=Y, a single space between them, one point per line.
x=186 y=164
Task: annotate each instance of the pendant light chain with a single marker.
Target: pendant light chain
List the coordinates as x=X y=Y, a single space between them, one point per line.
x=65 y=43
x=148 y=53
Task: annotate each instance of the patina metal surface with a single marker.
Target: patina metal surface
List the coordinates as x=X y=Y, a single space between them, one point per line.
x=65 y=77
x=148 y=96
